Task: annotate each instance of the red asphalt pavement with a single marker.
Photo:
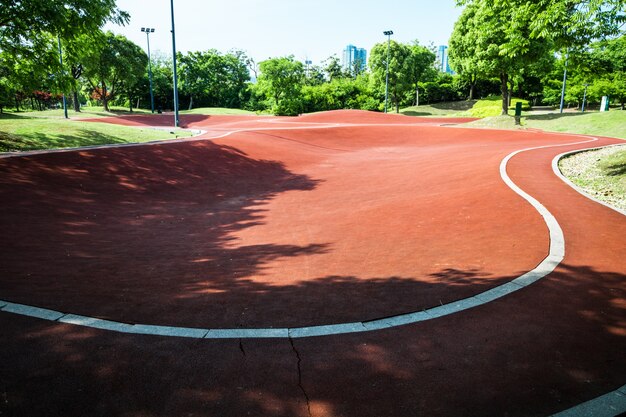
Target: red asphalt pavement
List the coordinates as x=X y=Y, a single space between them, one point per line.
x=352 y=216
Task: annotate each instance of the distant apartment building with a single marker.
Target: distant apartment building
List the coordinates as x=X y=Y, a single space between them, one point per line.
x=442 y=60
x=354 y=59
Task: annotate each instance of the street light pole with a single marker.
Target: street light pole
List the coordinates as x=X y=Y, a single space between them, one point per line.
x=176 y=120
x=148 y=32
x=387 y=33
x=61 y=63
x=585 y=97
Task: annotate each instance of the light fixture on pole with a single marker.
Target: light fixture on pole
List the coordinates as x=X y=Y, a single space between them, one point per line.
x=176 y=120
x=148 y=32
x=585 y=97
x=387 y=33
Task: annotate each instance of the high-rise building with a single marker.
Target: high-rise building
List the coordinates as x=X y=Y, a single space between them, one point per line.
x=354 y=59
x=442 y=60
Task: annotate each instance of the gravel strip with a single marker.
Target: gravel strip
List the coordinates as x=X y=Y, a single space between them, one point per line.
x=583 y=169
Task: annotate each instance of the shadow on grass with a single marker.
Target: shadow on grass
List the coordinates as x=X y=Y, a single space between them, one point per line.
x=51 y=140
x=14 y=116
x=552 y=116
x=455 y=105
x=416 y=113
x=615 y=170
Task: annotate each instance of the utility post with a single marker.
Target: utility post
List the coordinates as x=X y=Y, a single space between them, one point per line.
x=387 y=33
x=148 y=32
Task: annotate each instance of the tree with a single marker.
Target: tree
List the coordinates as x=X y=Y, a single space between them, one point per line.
x=333 y=68
x=22 y=23
x=494 y=40
x=568 y=23
x=399 y=80
x=214 y=79
x=281 y=81
x=113 y=64
x=420 y=66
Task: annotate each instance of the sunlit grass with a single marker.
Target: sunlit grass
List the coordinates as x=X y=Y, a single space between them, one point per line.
x=20 y=132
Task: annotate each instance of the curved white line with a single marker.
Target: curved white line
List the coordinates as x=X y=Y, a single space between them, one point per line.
x=555 y=256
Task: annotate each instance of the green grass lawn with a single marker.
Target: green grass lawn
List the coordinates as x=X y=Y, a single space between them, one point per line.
x=611 y=123
x=48 y=129
x=19 y=132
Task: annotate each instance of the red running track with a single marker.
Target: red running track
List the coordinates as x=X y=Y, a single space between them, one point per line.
x=352 y=216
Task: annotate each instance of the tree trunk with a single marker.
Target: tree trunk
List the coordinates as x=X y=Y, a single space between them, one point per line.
x=190 y=102
x=76 y=102
x=417 y=96
x=105 y=101
x=471 y=93
x=17 y=104
x=504 y=88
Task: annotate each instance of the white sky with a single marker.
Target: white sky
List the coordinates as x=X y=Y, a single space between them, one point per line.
x=313 y=29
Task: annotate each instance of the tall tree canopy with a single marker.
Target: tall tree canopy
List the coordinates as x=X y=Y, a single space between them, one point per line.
x=408 y=65
x=114 y=63
x=281 y=80
x=482 y=44
x=214 y=79
x=22 y=23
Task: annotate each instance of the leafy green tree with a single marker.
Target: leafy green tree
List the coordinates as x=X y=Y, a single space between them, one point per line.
x=494 y=40
x=399 y=80
x=22 y=23
x=409 y=66
x=214 y=79
x=114 y=63
x=333 y=68
x=281 y=81
x=565 y=23
x=420 y=67
x=162 y=82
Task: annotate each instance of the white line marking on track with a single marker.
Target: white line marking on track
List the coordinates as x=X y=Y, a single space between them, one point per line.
x=555 y=256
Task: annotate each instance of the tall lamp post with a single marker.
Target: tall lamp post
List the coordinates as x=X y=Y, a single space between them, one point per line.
x=585 y=97
x=148 y=32
x=61 y=63
x=176 y=120
x=387 y=33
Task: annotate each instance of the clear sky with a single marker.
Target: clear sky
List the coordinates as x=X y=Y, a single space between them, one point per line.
x=313 y=29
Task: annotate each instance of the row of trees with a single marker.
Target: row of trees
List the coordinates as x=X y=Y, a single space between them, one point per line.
x=505 y=46
x=521 y=42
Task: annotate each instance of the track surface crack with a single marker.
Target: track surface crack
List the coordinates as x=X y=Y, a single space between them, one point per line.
x=306 y=396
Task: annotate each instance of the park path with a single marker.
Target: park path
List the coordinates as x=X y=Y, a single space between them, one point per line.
x=360 y=218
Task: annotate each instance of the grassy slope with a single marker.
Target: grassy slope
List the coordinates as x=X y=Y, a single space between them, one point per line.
x=48 y=129
x=23 y=133
x=612 y=123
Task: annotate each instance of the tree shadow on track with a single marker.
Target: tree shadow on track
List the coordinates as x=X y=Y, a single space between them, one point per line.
x=139 y=224
x=543 y=349
x=149 y=235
